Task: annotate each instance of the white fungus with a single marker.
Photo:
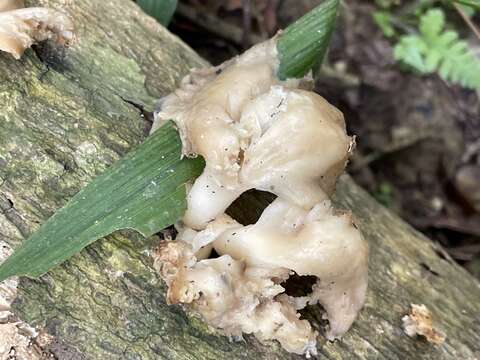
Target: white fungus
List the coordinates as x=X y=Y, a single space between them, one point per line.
x=292 y=143
x=20 y=28
x=257 y=132
x=233 y=297
x=316 y=242
x=419 y=322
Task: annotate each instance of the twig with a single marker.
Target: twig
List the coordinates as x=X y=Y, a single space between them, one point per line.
x=215 y=25
x=342 y=78
x=361 y=161
x=247 y=22
x=469 y=22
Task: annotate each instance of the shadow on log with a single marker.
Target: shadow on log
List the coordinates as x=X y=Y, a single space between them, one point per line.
x=66 y=115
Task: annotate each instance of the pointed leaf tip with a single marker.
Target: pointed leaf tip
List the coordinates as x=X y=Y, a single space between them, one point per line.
x=303 y=45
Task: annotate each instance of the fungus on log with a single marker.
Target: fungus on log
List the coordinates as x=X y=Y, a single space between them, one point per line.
x=255 y=131
x=108 y=301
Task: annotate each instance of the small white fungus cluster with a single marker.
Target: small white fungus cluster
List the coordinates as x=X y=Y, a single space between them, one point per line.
x=21 y=28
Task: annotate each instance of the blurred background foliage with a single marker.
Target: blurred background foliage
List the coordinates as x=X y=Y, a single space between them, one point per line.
x=161 y=10
x=406 y=74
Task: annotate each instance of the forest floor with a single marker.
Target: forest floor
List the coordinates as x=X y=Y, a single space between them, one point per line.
x=418 y=138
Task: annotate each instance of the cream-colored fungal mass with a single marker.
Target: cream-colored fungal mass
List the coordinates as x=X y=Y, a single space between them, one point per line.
x=21 y=28
x=293 y=144
x=257 y=132
x=419 y=322
x=235 y=298
x=315 y=242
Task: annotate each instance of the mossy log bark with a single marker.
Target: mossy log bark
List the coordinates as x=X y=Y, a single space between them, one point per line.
x=65 y=116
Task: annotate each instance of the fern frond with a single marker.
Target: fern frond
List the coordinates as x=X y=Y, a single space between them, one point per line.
x=435 y=49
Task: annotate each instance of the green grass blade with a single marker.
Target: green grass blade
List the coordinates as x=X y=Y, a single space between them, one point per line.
x=161 y=10
x=303 y=45
x=144 y=191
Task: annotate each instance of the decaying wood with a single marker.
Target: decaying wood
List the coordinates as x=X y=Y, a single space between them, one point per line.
x=66 y=115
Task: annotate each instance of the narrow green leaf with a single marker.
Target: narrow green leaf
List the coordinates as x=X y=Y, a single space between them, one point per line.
x=303 y=45
x=144 y=191
x=161 y=10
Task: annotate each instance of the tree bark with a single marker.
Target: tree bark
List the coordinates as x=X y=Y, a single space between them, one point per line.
x=66 y=115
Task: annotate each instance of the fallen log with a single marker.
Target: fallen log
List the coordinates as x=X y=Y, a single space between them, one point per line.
x=66 y=115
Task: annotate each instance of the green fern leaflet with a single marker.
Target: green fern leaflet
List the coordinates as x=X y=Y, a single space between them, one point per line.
x=435 y=49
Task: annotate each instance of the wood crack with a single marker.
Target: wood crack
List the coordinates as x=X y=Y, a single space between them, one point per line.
x=7 y=208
